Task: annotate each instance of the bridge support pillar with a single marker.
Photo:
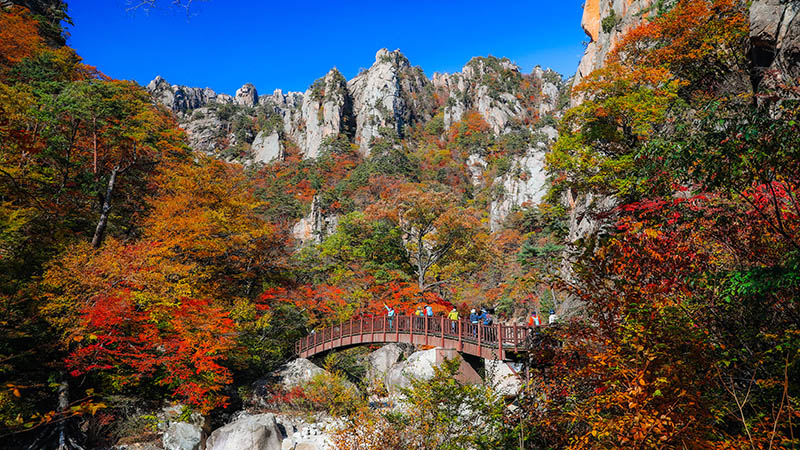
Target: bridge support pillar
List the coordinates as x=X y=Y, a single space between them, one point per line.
x=466 y=373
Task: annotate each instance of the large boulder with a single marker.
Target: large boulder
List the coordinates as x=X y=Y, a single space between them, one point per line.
x=182 y=436
x=295 y=373
x=420 y=365
x=503 y=377
x=258 y=432
x=382 y=360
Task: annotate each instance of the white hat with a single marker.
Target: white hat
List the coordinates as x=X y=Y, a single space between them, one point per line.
x=472 y=310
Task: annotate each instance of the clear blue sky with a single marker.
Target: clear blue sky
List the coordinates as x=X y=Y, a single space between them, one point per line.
x=289 y=44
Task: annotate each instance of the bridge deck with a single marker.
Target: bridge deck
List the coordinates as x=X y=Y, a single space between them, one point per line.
x=485 y=341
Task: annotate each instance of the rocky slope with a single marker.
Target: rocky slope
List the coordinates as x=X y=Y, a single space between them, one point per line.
x=382 y=102
x=605 y=22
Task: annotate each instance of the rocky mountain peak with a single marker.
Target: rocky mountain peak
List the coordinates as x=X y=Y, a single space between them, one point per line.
x=481 y=65
x=247 y=95
x=158 y=83
x=386 y=98
x=394 y=58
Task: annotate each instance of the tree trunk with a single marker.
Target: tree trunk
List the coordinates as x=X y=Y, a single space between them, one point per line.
x=420 y=265
x=100 y=231
x=63 y=404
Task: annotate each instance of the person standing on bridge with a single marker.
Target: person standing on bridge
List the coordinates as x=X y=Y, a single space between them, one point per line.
x=429 y=316
x=389 y=316
x=533 y=320
x=473 y=320
x=453 y=316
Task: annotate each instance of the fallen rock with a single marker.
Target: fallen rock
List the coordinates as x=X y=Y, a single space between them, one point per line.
x=313 y=435
x=182 y=436
x=419 y=365
x=382 y=360
x=502 y=376
x=258 y=432
x=295 y=373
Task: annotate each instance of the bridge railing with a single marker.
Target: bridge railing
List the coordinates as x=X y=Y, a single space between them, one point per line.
x=502 y=337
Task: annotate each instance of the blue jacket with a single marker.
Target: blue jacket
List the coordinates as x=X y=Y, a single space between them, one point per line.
x=473 y=318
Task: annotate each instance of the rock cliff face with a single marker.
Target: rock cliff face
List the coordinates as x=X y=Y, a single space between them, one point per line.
x=326 y=111
x=774 y=60
x=388 y=97
x=605 y=22
x=774 y=35
x=381 y=103
x=499 y=92
x=775 y=43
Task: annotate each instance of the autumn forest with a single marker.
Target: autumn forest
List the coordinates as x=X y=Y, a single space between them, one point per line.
x=140 y=269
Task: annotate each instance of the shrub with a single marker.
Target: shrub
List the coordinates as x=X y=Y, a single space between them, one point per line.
x=610 y=21
x=331 y=392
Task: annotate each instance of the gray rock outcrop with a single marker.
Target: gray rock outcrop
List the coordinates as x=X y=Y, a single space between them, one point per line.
x=388 y=96
x=381 y=102
x=315 y=226
x=295 y=373
x=775 y=43
x=325 y=112
x=267 y=147
x=525 y=184
x=605 y=22
x=182 y=436
x=257 y=432
x=420 y=365
x=382 y=360
x=183 y=98
x=496 y=88
x=246 y=95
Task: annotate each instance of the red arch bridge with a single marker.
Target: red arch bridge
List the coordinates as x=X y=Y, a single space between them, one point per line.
x=498 y=341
